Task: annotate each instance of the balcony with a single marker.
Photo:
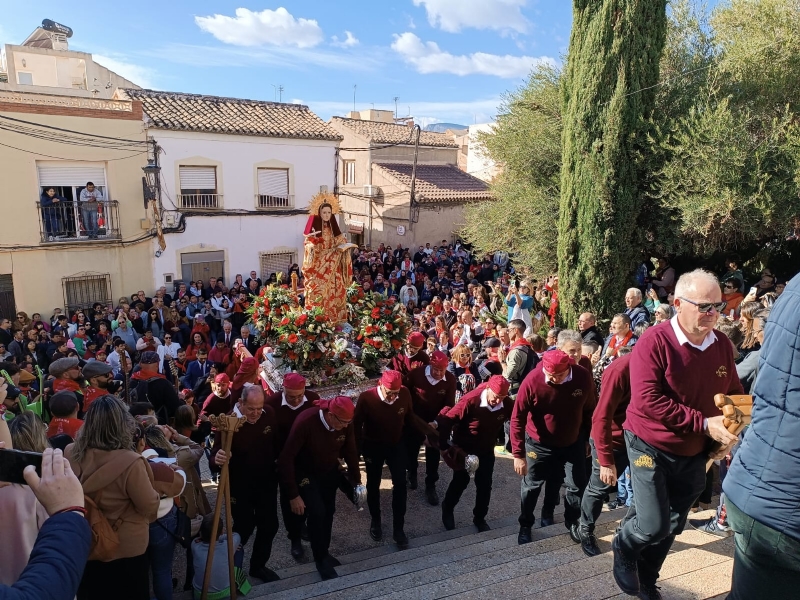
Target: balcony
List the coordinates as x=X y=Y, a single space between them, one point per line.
x=283 y=201
x=70 y=222
x=200 y=201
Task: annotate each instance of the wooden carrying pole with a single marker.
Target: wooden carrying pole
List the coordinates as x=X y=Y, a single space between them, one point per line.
x=227 y=425
x=737 y=411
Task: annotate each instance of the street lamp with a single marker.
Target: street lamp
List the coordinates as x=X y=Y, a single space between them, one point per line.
x=151 y=182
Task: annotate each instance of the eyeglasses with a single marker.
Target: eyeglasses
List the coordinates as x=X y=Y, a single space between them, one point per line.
x=706 y=307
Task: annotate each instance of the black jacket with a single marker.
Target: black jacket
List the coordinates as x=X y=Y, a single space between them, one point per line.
x=593 y=335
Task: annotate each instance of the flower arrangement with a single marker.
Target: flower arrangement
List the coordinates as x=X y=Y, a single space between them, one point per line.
x=271 y=306
x=306 y=339
x=380 y=323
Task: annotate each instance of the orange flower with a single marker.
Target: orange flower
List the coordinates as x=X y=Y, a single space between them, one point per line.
x=396 y=344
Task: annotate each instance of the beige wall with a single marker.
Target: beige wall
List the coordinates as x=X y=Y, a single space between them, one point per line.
x=38 y=270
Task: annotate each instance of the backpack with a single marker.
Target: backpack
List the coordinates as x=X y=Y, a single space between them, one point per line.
x=531 y=360
x=141 y=393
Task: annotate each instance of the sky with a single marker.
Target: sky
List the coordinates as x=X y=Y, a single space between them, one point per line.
x=444 y=60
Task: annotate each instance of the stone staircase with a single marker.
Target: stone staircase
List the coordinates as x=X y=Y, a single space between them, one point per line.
x=465 y=564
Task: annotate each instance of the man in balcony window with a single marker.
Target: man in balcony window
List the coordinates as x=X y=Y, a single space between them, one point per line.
x=89 y=202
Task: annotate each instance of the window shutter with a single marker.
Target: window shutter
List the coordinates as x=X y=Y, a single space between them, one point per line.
x=74 y=175
x=273 y=182
x=198 y=178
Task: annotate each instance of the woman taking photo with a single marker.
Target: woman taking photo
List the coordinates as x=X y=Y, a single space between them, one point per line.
x=120 y=482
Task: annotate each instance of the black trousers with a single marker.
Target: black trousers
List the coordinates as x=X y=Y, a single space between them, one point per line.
x=124 y=578
x=413 y=442
x=664 y=488
x=596 y=490
x=394 y=456
x=483 y=486
x=292 y=522
x=254 y=507
x=319 y=495
x=543 y=464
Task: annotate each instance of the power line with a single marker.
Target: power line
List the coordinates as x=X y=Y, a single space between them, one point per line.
x=90 y=135
x=68 y=159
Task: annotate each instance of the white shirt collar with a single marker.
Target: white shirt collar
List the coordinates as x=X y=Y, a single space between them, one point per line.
x=485 y=402
x=710 y=338
x=285 y=403
x=383 y=398
x=324 y=422
x=430 y=377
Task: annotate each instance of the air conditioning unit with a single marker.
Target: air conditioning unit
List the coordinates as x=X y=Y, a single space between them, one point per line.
x=323 y=189
x=370 y=191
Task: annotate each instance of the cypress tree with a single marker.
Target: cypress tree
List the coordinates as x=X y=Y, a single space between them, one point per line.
x=607 y=100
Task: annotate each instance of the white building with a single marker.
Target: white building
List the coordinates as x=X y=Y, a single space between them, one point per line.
x=236 y=179
x=479 y=164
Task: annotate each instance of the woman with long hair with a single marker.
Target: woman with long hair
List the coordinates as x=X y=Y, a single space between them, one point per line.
x=749 y=310
x=461 y=366
x=155 y=324
x=121 y=483
x=197 y=341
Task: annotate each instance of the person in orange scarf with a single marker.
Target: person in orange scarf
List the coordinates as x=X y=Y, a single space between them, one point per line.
x=621 y=335
x=68 y=378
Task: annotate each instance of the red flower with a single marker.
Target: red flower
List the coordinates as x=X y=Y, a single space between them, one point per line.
x=388 y=327
x=285 y=321
x=376 y=313
x=319 y=318
x=292 y=355
x=301 y=319
x=396 y=344
x=293 y=339
x=360 y=293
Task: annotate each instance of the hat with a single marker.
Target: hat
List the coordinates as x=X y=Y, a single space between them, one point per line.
x=222 y=378
x=491 y=342
x=439 y=359
x=149 y=358
x=63 y=403
x=555 y=361
x=416 y=339
x=25 y=377
x=392 y=380
x=342 y=407
x=499 y=385
x=94 y=368
x=62 y=365
x=294 y=381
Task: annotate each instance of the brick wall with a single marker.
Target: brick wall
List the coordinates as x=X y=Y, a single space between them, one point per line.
x=66 y=111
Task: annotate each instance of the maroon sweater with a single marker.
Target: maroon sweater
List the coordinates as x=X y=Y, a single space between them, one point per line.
x=285 y=415
x=673 y=389
x=608 y=417
x=379 y=422
x=214 y=405
x=474 y=428
x=254 y=450
x=312 y=451
x=551 y=414
x=405 y=364
x=428 y=400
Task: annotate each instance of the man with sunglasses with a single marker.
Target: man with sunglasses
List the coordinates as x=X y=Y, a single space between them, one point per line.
x=671 y=423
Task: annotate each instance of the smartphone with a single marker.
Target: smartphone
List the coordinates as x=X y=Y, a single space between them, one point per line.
x=13 y=463
x=753 y=290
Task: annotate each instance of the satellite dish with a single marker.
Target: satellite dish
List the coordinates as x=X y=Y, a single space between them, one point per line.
x=49 y=25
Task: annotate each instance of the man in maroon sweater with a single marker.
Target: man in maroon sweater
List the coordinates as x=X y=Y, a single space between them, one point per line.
x=432 y=388
x=609 y=456
x=413 y=357
x=549 y=431
x=475 y=423
x=253 y=479
x=288 y=404
x=671 y=423
x=309 y=470
x=381 y=413
x=218 y=401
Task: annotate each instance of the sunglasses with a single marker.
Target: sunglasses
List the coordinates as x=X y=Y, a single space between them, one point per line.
x=707 y=307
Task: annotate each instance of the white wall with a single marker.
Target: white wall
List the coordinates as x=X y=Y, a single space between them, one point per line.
x=478 y=162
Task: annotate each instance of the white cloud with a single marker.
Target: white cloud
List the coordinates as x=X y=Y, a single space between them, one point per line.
x=269 y=27
x=455 y=15
x=348 y=42
x=141 y=76
x=427 y=58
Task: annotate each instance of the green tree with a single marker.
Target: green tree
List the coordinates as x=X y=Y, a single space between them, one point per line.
x=608 y=97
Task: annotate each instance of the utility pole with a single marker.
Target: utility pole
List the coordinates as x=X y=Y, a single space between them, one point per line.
x=396 y=98
x=412 y=203
x=280 y=93
x=355 y=87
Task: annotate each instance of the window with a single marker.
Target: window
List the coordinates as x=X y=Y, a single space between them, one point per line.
x=202 y=265
x=199 y=187
x=273 y=189
x=276 y=262
x=84 y=289
x=24 y=78
x=8 y=306
x=349 y=172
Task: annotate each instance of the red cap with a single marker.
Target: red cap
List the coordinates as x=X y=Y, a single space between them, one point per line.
x=222 y=378
x=499 y=385
x=556 y=361
x=342 y=407
x=392 y=380
x=294 y=381
x=416 y=339
x=439 y=360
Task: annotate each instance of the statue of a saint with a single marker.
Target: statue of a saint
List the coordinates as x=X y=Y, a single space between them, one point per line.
x=327 y=267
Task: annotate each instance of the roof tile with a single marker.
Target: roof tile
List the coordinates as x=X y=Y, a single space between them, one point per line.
x=390 y=133
x=438 y=183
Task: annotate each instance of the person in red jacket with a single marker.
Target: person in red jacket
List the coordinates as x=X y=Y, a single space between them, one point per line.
x=381 y=413
x=475 y=423
x=609 y=456
x=549 y=433
x=309 y=471
x=432 y=388
x=413 y=357
x=288 y=405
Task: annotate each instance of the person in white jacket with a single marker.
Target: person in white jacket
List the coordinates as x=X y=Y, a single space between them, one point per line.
x=408 y=293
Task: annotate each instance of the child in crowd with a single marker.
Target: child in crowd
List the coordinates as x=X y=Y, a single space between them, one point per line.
x=64 y=408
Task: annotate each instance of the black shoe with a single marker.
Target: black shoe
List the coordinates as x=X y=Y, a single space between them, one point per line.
x=524 y=536
x=431 y=496
x=304 y=533
x=400 y=538
x=448 y=519
x=411 y=482
x=546 y=520
x=297 y=549
x=589 y=543
x=482 y=525
x=325 y=571
x=574 y=534
x=650 y=591
x=331 y=561
x=626 y=571
x=264 y=574
x=375 y=530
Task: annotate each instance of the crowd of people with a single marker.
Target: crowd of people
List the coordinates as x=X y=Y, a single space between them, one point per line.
x=126 y=392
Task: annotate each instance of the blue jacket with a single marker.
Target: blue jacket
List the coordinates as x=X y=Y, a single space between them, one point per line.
x=56 y=564
x=764 y=478
x=194 y=372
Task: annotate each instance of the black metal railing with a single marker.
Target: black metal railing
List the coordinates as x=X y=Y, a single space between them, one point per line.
x=79 y=221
